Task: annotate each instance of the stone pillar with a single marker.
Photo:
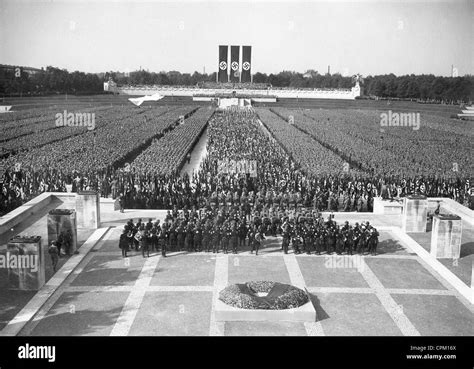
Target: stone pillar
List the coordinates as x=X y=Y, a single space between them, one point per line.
x=25 y=263
x=415 y=211
x=63 y=221
x=88 y=209
x=446 y=236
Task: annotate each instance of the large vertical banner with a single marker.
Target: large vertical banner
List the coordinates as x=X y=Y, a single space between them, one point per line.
x=246 y=64
x=235 y=63
x=223 y=54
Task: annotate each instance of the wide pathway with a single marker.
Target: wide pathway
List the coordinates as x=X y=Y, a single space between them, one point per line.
x=197 y=155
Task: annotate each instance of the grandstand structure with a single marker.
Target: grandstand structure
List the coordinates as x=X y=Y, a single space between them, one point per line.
x=197 y=93
x=234 y=80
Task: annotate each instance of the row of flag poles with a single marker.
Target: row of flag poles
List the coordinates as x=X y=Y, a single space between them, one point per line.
x=235 y=70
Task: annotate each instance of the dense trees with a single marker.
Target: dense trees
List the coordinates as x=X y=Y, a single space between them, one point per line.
x=49 y=81
x=424 y=87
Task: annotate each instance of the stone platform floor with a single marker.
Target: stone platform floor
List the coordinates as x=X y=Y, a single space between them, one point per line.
x=393 y=293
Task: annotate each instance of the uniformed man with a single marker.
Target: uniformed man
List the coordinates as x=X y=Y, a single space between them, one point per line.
x=307 y=238
x=225 y=236
x=339 y=240
x=180 y=234
x=234 y=238
x=259 y=237
x=330 y=238
x=242 y=232
x=347 y=236
x=373 y=239
x=197 y=239
x=149 y=225
x=216 y=240
x=188 y=240
x=207 y=236
x=163 y=238
x=296 y=241
x=54 y=254
x=319 y=239
x=286 y=233
x=143 y=241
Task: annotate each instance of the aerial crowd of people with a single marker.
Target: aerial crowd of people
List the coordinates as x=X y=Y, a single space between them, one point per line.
x=281 y=180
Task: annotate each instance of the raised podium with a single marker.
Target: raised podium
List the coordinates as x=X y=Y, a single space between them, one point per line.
x=25 y=263
x=88 y=209
x=415 y=211
x=62 y=225
x=446 y=236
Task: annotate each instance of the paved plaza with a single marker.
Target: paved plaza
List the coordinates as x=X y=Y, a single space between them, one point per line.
x=394 y=293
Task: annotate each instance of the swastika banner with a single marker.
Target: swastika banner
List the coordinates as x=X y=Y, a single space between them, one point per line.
x=223 y=65
x=235 y=63
x=246 y=64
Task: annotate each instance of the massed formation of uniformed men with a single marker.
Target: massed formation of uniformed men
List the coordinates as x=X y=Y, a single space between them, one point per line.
x=218 y=230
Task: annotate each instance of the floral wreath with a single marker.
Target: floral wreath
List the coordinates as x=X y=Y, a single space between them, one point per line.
x=279 y=296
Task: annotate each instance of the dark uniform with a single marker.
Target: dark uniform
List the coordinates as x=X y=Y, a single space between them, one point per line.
x=234 y=239
x=339 y=242
x=197 y=238
x=330 y=239
x=296 y=242
x=286 y=232
x=319 y=239
x=163 y=237
x=123 y=242
x=180 y=237
x=242 y=233
x=307 y=239
x=207 y=237
x=53 y=252
x=225 y=235
x=216 y=240
x=259 y=237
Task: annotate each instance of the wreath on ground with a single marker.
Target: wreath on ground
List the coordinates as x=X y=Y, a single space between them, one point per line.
x=263 y=295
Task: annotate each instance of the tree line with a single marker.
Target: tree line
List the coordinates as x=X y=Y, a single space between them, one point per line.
x=423 y=87
x=48 y=81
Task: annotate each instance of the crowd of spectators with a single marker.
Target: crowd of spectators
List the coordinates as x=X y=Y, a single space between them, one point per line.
x=293 y=169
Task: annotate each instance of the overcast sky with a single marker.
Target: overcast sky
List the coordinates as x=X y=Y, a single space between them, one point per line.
x=368 y=37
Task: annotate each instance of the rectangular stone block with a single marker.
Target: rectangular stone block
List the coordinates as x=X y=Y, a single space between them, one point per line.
x=415 y=211
x=25 y=263
x=304 y=313
x=88 y=209
x=62 y=226
x=446 y=236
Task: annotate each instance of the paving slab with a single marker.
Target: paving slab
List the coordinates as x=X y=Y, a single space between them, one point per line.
x=185 y=270
x=173 y=314
x=403 y=273
x=82 y=314
x=110 y=271
x=352 y=314
x=257 y=268
x=323 y=272
x=435 y=315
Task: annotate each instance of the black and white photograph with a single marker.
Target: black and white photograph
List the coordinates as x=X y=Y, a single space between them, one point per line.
x=236 y=183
